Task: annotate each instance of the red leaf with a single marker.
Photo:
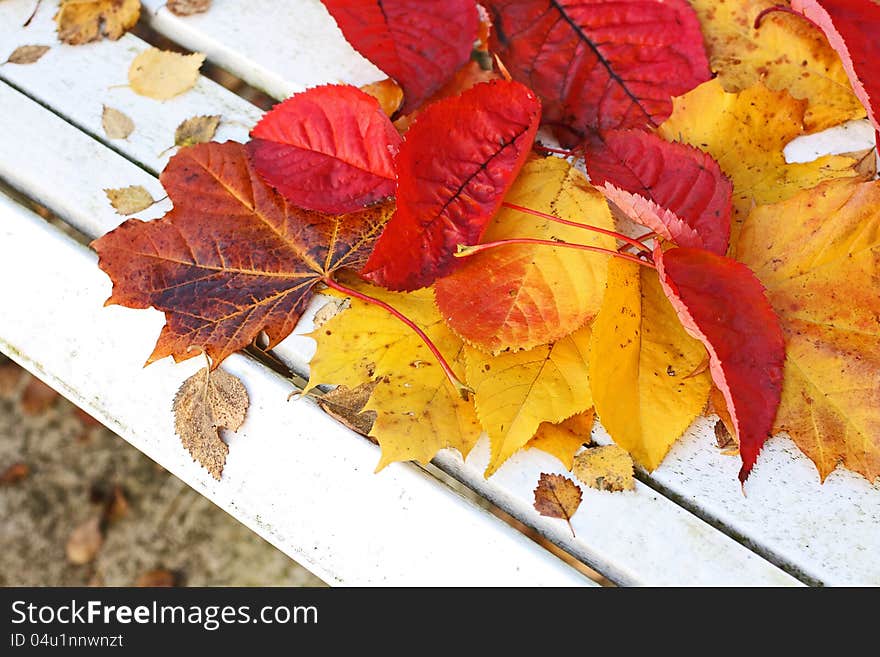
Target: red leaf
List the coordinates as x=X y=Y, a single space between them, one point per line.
x=329 y=149
x=601 y=64
x=419 y=43
x=675 y=190
x=721 y=303
x=852 y=27
x=459 y=159
x=232 y=258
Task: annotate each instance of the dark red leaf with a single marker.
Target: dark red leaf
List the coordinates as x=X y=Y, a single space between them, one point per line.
x=459 y=159
x=600 y=64
x=419 y=43
x=721 y=303
x=852 y=27
x=675 y=190
x=329 y=149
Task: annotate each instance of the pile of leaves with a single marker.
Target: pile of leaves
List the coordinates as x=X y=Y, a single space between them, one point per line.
x=495 y=286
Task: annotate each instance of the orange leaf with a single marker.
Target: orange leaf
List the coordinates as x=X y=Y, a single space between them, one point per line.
x=557 y=497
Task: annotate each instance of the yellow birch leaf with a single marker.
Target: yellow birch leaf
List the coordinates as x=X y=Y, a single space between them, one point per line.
x=81 y=21
x=818 y=254
x=564 y=439
x=746 y=133
x=161 y=74
x=516 y=391
x=786 y=53
x=418 y=412
x=642 y=364
x=608 y=468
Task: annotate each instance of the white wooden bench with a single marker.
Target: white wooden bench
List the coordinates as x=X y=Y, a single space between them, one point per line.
x=294 y=475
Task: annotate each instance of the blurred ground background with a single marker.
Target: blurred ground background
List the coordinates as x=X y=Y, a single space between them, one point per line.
x=80 y=506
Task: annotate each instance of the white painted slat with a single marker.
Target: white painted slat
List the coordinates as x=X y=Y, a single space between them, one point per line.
x=294 y=475
x=640 y=538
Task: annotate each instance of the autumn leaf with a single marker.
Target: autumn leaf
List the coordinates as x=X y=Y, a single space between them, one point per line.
x=418 y=412
x=188 y=7
x=14 y=474
x=387 y=93
x=116 y=124
x=205 y=403
x=818 y=254
x=157 y=578
x=85 y=542
x=597 y=66
x=232 y=258
x=852 y=28
x=676 y=190
x=129 y=200
x=787 y=53
x=557 y=497
x=608 y=468
x=196 y=130
x=347 y=406
x=162 y=74
x=515 y=392
x=564 y=439
x=81 y=21
x=418 y=43
x=641 y=360
x=329 y=149
x=746 y=133
x=459 y=159
x=522 y=296
x=37 y=397
x=721 y=303
x=27 y=54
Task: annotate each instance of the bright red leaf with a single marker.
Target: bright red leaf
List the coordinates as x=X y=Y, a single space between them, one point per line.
x=459 y=159
x=329 y=149
x=722 y=304
x=232 y=259
x=674 y=189
x=419 y=43
x=852 y=27
x=600 y=64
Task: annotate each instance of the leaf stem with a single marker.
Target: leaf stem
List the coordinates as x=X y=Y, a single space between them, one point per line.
x=461 y=388
x=465 y=251
x=558 y=151
x=575 y=224
x=641 y=239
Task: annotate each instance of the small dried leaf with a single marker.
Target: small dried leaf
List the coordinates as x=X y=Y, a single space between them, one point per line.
x=81 y=21
x=557 y=497
x=157 y=578
x=565 y=438
x=10 y=375
x=14 y=474
x=723 y=437
x=607 y=468
x=188 y=7
x=128 y=200
x=117 y=506
x=206 y=402
x=347 y=405
x=85 y=542
x=161 y=74
x=37 y=397
x=196 y=130
x=27 y=54
x=116 y=124
x=329 y=310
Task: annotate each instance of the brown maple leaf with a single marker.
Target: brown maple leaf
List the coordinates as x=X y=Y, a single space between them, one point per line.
x=557 y=497
x=232 y=259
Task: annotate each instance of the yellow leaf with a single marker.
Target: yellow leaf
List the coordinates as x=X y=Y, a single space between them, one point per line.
x=818 y=254
x=608 y=468
x=516 y=391
x=642 y=364
x=564 y=439
x=523 y=296
x=81 y=21
x=418 y=412
x=387 y=92
x=746 y=133
x=786 y=53
x=160 y=74
x=129 y=200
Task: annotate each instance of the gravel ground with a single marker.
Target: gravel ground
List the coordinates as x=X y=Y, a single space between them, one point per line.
x=158 y=527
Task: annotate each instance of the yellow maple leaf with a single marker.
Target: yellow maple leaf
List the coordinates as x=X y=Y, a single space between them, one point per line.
x=418 y=412
x=786 y=53
x=516 y=391
x=746 y=133
x=161 y=74
x=81 y=21
x=564 y=439
x=642 y=364
x=818 y=254
x=523 y=296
